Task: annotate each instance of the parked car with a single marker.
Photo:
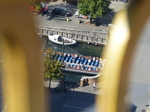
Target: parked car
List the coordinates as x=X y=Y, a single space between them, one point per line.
x=80 y=15
x=61 y=12
x=76 y=13
x=44 y=10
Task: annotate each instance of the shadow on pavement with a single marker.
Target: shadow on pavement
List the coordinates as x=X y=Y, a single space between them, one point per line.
x=71 y=101
x=107 y=19
x=64 y=87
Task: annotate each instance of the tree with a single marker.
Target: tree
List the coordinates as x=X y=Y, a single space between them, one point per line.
x=94 y=8
x=37 y=4
x=52 y=67
x=83 y=6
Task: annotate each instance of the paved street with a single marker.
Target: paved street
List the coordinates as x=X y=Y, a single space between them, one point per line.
x=48 y=20
x=81 y=99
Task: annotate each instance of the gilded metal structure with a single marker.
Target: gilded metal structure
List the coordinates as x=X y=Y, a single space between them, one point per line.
x=119 y=55
x=23 y=71
x=22 y=67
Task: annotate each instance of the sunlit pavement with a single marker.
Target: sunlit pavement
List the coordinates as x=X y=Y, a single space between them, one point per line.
x=47 y=20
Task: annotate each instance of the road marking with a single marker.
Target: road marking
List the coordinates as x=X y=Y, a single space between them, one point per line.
x=73 y=106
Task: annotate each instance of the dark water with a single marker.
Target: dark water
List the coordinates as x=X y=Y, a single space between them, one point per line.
x=81 y=49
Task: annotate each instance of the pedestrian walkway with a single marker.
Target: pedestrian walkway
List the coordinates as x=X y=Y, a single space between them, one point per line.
x=117 y=6
x=76 y=100
x=85 y=89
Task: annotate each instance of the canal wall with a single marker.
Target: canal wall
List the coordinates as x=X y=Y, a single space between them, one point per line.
x=95 y=37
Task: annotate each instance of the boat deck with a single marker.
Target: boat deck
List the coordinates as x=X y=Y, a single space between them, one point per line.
x=79 y=63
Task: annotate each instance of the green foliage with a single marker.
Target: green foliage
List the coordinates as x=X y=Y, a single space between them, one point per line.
x=37 y=4
x=84 y=7
x=37 y=8
x=36 y=1
x=52 y=68
x=94 y=8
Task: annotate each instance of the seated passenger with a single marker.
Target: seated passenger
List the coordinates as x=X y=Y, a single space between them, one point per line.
x=89 y=69
x=85 y=61
x=82 y=60
x=89 y=61
x=78 y=67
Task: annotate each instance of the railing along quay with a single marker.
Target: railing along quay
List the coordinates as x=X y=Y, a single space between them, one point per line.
x=94 y=37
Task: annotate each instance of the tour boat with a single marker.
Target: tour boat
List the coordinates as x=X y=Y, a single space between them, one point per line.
x=79 y=63
x=61 y=40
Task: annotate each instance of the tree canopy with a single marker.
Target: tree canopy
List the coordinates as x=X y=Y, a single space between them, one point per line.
x=38 y=4
x=52 y=67
x=94 y=8
x=38 y=1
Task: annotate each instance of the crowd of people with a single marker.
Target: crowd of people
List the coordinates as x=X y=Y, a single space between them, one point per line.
x=79 y=61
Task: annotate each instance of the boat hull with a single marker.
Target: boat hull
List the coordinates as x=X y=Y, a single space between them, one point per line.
x=64 y=41
x=80 y=71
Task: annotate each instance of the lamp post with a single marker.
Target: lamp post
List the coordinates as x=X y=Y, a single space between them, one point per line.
x=64 y=87
x=63 y=52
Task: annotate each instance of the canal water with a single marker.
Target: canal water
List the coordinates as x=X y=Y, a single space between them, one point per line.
x=81 y=49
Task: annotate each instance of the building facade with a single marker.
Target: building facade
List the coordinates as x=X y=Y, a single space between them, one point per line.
x=121 y=0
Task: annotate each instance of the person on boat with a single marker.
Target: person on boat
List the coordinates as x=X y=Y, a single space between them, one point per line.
x=60 y=57
x=99 y=65
x=68 y=65
x=65 y=55
x=60 y=39
x=73 y=58
x=86 y=68
x=74 y=66
x=97 y=69
x=89 y=69
x=94 y=58
x=68 y=57
x=76 y=58
x=78 y=67
x=96 y=63
x=89 y=61
x=70 y=60
x=94 y=68
x=82 y=60
x=97 y=58
x=85 y=61
x=82 y=67
x=93 y=61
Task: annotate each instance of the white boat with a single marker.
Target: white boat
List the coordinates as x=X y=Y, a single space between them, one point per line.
x=60 y=40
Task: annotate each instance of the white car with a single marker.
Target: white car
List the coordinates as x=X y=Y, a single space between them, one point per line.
x=80 y=15
x=76 y=13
